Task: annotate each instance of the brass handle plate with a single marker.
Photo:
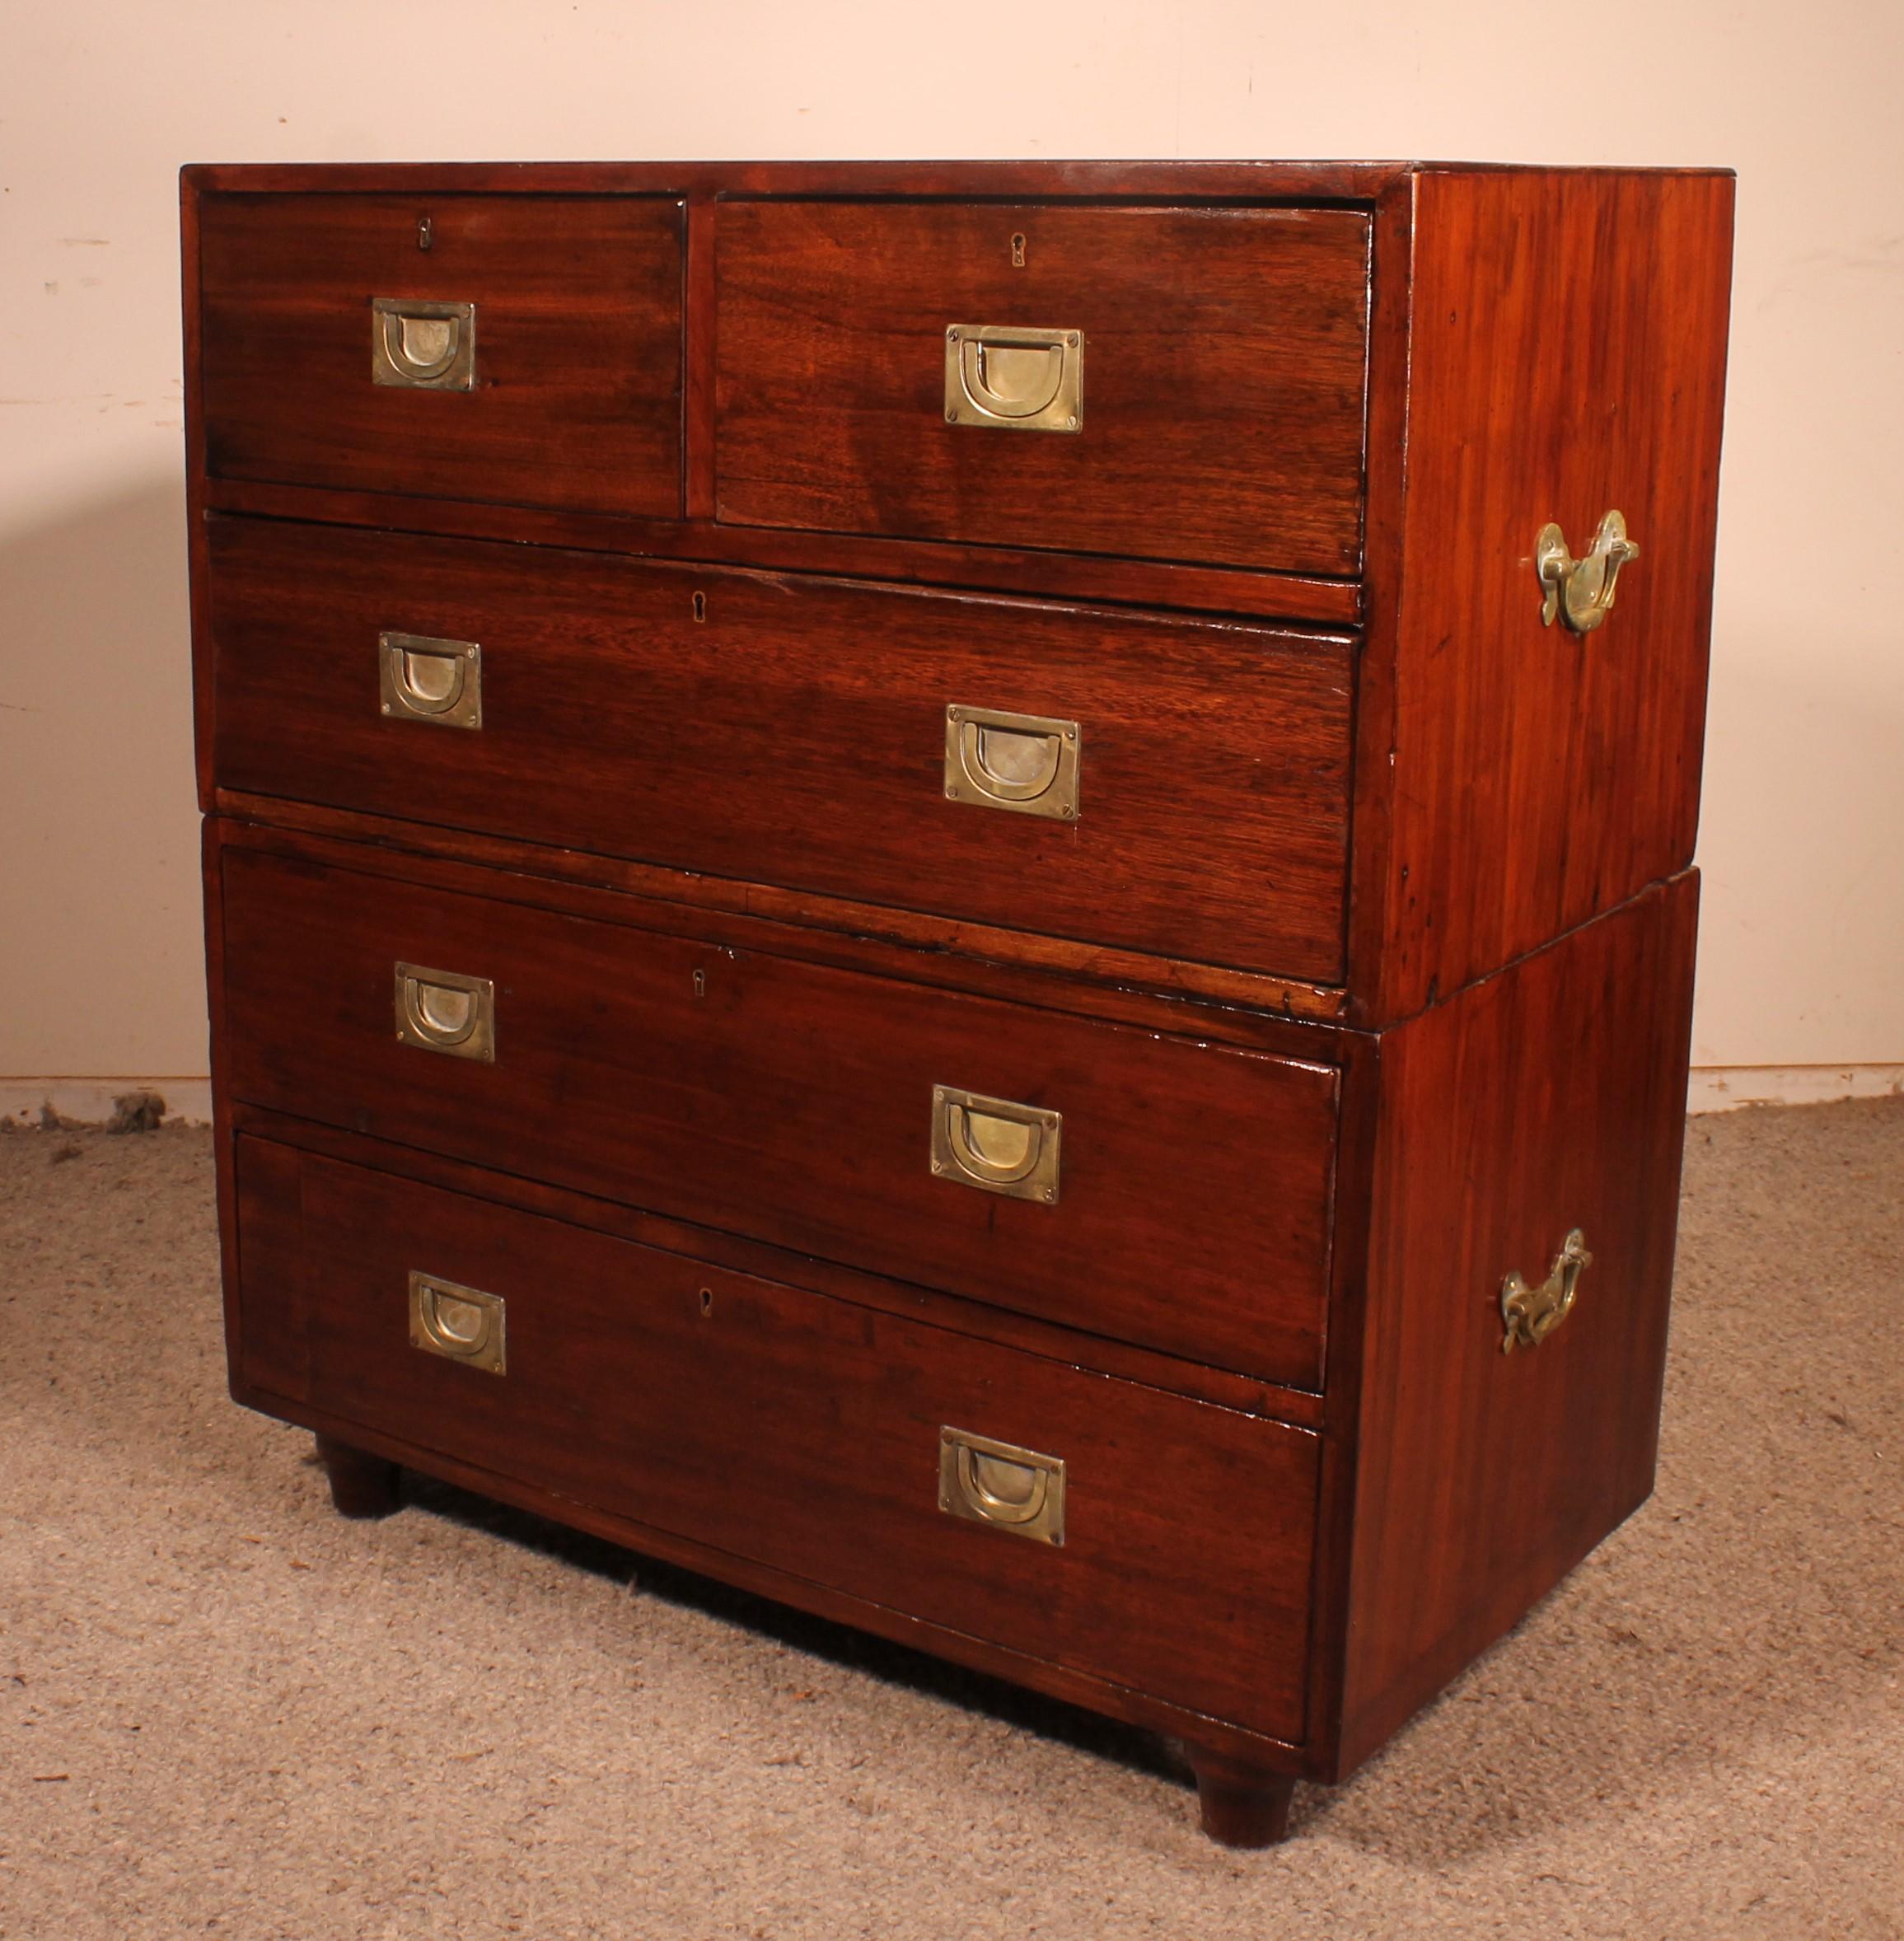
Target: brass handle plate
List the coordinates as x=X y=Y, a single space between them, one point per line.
x=445 y=1011
x=1012 y=379
x=1581 y=590
x=1530 y=1314
x=421 y=346
x=423 y=679
x=1025 y=763
x=996 y=1144
x=1013 y=1490
x=461 y=1323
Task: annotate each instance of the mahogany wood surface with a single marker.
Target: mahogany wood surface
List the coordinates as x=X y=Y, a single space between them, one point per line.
x=577 y=396
x=1301 y=1408
x=793 y=1102
x=1566 y=357
x=362 y=1486
x=1235 y=1007
x=1549 y=1097
x=739 y=725
x=1239 y=1804
x=1195 y=323
x=822 y=1459
x=1149 y=583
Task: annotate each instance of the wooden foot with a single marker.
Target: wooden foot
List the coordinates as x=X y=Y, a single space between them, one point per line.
x=1241 y=1806
x=361 y=1485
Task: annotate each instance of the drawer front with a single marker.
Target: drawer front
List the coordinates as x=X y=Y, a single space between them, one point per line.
x=830 y=1111
x=745 y=727
x=530 y=355
x=798 y=1431
x=1218 y=367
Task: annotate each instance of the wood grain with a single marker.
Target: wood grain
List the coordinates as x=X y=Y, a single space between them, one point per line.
x=793 y=1103
x=1224 y=365
x=577 y=402
x=1566 y=356
x=741 y=726
x=1549 y=1097
x=822 y=1459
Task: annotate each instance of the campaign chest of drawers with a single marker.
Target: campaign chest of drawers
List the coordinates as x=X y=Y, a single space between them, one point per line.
x=949 y=889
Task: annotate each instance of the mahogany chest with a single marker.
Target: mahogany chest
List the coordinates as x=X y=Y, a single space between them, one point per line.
x=952 y=890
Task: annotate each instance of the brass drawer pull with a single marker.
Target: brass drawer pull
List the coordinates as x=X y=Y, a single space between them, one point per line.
x=447 y=1011
x=1530 y=1314
x=423 y=346
x=997 y=1483
x=1014 y=380
x=995 y=1144
x=1026 y=763
x=461 y=1323
x=429 y=680
x=1581 y=590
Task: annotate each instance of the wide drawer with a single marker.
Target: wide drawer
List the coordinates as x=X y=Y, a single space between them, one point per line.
x=1159 y=1190
x=1181 y=384
x=525 y=350
x=1172 y=1555
x=1194 y=797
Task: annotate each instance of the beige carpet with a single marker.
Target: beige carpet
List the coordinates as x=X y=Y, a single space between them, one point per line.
x=224 y=1711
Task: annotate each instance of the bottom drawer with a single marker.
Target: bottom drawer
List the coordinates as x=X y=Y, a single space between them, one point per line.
x=1171 y=1554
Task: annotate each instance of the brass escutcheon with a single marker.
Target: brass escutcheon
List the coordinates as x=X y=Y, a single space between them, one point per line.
x=1581 y=590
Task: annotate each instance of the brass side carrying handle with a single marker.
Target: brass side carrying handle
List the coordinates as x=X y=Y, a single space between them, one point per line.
x=1014 y=379
x=423 y=346
x=425 y=679
x=1025 y=763
x=1530 y=1314
x=461 y=1323
x=1014 y=1490
x=445 y=1011
x=996 y=1144
x=1581 y=589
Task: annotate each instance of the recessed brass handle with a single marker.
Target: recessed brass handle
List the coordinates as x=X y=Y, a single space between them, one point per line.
x=462 y=1323
x=424 y=679
x=1026 y=763
x=1581 y=590
x=1531 y=1314
x=445 y=1011
x=423 y=346
x=996 y=1144
x=1014 y=379
x=1012 y=1488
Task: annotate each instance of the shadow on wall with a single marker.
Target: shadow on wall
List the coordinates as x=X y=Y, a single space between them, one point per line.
x=100 y=950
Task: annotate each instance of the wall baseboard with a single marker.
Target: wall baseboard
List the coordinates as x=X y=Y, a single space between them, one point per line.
x=1713 y=1088
x=1722 y=1088
x=89 y=1101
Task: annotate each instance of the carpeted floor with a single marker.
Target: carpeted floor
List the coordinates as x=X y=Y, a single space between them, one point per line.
x=224 y=1711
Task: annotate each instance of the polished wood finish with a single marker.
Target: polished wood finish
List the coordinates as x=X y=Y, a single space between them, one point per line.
x=614 y=1353
x=577 y=398
x=1483 y=1477
x=363 y=1487
x=1195 y=323
x=713 y=721
x=1240 y=1805
x=1573 y=327
x=793 y=1102
x=1348 y=1020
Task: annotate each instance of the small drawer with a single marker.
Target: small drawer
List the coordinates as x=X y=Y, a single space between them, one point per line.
x=1075 y=1518
x=1156 y=1189
x=1180 y=384
x=524 y=350
x=1164 y=786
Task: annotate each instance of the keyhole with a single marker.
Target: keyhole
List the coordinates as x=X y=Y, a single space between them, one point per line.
x=1018 y=252
x=700 y=984
x=700 y=606
x=707 y=1300
x=425 y=233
